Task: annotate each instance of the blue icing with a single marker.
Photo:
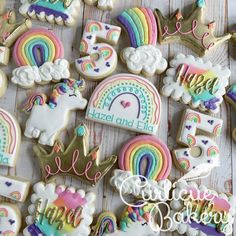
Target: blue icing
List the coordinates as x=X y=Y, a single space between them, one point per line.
x=81 y=131
x=201 y=3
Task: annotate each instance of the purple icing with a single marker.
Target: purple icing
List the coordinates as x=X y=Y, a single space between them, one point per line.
x=232 y=95
x=34 y=230
x=38 y=52
x=48 y=11
x=148 y=157
x=211 y=104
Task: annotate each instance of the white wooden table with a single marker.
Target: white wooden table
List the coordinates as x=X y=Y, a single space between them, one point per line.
x=111 y=139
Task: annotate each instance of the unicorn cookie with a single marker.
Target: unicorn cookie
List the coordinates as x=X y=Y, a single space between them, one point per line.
x=143 y=56
x=134 y=221
x=47 y=120
x=39 y=54
x=101 y=4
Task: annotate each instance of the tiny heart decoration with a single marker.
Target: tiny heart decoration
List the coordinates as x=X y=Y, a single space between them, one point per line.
x=125 y=104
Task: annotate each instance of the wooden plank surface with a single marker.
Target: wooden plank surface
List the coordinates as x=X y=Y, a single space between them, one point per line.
x=110 y=138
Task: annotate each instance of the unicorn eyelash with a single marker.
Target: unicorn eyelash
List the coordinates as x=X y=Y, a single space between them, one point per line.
x=143 y=224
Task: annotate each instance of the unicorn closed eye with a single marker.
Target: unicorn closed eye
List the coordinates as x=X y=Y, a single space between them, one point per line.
x=134 y=222
x=47 y=120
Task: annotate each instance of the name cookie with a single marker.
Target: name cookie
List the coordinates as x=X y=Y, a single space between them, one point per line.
x=196 y=82
x=101 y=4
x=61 y=12
x=39 y=54
x=126 y=101
x=59 y=210
x=48 y=119
x=75 y=160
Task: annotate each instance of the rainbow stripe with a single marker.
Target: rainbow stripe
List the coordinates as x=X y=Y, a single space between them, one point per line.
x=193 y=117
x=3 y=212
x=213 y=151
x=146 y=149
x=93 y=26
x=88 y=65
x=140 y=23
x=37 y=46
x=184 y=163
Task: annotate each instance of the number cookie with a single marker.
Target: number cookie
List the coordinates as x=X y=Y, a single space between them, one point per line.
x=101 y=4
x=100 y=58
x=202 y=153
x=61 y=12
x=39 y=54
x=195 y=82
x=126 y=101
x=59 y=210
x=47 y=120
x=191 y=30
x=10 y=219
x=75 y=161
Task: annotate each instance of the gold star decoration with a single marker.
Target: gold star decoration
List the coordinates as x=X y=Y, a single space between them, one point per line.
x=75 y=161
x=191 y=30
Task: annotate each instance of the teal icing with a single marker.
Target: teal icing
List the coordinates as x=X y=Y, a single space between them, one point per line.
x=81 y=131
x=58 y=6
x=201 y=3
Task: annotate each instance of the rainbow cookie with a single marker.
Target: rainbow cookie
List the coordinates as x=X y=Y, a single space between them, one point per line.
x=10 y=137
x=59 y=210
x=126 y=101
x=48 y=119
x=61 y=12
x=143 y=56
x=39 y=54
x=202 y=153
x=196 y=82
x=190 y=31
x=132 y=158
x=14 y=188
x=100 y=59
x=3 y=83
x=134 y=221
x=101 y=4
x=197 y=210
x=10 y=219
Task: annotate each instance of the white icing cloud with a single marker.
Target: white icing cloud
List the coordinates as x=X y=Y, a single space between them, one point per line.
x=27 y=76
x=105 y=4
x=145 y=59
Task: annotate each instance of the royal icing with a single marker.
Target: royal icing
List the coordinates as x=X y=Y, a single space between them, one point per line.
x=61 y=12
x=134 y=221
x=10 y=219
x=209 y=155
x=101 y=4
x=196 y=82
x=75 y=160
x=100 y=59
x=3 y=83
x=59 y=210
x=39 y=53
x=191 y=30
x=127 y=101
x=10 y=138
x=145 y=59
x=194 y=203
x=47 y=120
x=14 y=188
x=4 y=56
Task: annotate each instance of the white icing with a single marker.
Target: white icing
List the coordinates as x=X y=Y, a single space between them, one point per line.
x=176 y=90
x=101 y=4
x=127 y=184
x=4 y=55
x=97 y=65
x=209 y=156
x=45 y=123
x=3 y=83
x=71 y=12
x=14 y=188
x=47 y=193
x=145 y=59
x=27 y=76
x=10 y=219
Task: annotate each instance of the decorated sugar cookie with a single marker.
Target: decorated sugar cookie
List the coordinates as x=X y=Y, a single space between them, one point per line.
x=99 y=58
x=61 y=12
x=197 y=210
x=231 y=98
x=101 y=4
x=75 y=160
x=59 y=210
x=4 y=55
x=126 y=101
x=3 y=83
x=10 y=219
x=10 y=138
x=196 y=82
x=39 y=54
x=191 y=30
x=143 y=56
x=132 y=158
x=134 y=221
x=201 y=154
x=14 y=188
x=48 y=119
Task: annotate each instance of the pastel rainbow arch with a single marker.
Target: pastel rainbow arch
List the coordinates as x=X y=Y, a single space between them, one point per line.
x=141 y=26
x=93 y=26
x=37 y=46
x=16 y=195
x=193 y=117
x=3 y=212
x=184 y=163
x=146 y=149
x=191 y=140
x=213 y=151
